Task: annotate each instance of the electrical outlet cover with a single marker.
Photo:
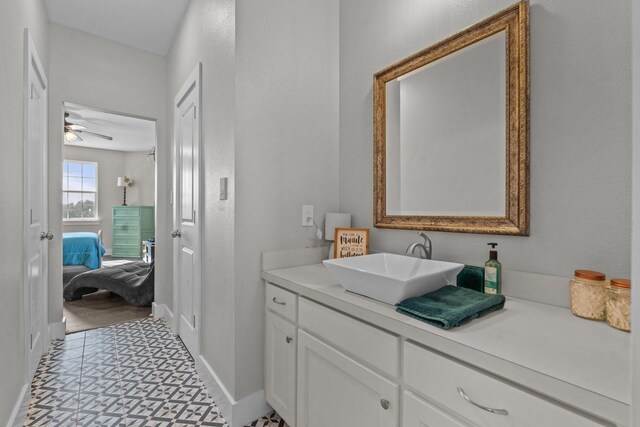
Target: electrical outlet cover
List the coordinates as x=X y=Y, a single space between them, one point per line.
x=307 y=216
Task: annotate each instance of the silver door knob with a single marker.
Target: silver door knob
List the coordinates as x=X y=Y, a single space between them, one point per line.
x=384 y=403
x=289 y=339
x=176 y=233
x=48 y=235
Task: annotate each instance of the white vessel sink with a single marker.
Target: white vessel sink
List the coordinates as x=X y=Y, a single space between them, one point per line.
x=392 y=278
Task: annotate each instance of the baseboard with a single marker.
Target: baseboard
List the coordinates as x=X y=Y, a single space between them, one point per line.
x=215 y=387
x=250 y=408
x=157 y=310
x=161 y=311
x=237 y=413
x=19 y=412
x=57 y=330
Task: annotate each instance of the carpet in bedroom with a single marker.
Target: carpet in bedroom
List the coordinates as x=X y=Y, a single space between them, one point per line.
x=100 y=309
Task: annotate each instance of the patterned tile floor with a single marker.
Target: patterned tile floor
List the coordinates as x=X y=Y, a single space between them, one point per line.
x=132 y=374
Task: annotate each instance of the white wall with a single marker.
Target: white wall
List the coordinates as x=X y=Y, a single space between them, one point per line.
x=110 y=76
x=270 y=94
x=143 y=173
x=111 y=165
x=207 y=35
x=15 y=16
x=580 y=127
x=286 y=147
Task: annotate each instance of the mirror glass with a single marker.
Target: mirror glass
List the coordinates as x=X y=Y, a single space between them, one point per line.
x=453 y=109
x=451 y=132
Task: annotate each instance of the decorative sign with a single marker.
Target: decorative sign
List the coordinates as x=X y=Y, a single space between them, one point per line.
x=351 y=242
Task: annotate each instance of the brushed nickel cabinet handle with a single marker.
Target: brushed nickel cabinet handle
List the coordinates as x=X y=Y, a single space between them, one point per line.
x=486 y=408
x=279 y=302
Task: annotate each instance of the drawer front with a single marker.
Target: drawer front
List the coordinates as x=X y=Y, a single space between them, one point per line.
x=419 y=413
x=125 y=251
x=439 y=379
x=126 y=222
x=126 y=212
x=125 y=240
x=372 y=345
x=282 y=302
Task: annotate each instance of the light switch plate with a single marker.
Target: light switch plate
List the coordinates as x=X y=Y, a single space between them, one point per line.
x=307 y=216
x=223 y=188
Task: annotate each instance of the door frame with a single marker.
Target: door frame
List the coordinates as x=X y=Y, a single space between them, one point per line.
x=192 y=84
x=31 y=57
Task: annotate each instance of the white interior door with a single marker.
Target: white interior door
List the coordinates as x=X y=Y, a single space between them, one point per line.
x=186 y=212
x=35 y=199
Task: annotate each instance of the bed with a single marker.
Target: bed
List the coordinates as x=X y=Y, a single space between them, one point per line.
x=82 y=249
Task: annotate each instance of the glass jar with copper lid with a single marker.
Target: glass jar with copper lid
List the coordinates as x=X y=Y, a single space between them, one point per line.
x=619 y=304
x=587 y=294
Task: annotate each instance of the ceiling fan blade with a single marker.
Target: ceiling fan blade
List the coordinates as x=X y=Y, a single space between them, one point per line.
x=99 y=135
x=73 y=126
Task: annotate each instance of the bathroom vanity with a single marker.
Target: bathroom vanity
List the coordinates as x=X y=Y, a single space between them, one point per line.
x=341 y=359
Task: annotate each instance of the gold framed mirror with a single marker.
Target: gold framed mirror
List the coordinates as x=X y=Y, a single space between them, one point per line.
x=451 y=129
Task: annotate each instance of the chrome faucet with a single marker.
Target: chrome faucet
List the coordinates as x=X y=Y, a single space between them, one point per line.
x=423 y=248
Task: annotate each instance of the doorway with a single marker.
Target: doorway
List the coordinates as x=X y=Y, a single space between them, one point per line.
x=36 y=225
x=108 y=216
x=187 y=214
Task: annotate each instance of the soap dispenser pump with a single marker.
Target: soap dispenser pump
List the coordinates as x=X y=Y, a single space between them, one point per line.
x=493 y=272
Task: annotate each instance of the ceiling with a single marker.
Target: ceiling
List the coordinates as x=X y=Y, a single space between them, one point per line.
x=144 y=24
x=129 y=133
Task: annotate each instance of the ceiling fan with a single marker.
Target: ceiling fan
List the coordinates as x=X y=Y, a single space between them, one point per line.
x=71 y=131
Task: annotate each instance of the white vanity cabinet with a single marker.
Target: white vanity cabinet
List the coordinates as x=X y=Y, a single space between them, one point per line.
x=353 y=362
x=336 y=390
x=280 y=352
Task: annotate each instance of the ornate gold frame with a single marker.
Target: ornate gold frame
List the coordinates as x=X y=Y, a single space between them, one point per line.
x=515 y=22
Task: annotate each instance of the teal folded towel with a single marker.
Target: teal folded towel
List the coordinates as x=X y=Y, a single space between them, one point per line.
x=450 y=306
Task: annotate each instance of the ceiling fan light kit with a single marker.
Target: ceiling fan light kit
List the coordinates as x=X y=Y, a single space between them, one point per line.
x=71 y=131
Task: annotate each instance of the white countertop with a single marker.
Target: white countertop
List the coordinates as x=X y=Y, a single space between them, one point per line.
x=580 y=360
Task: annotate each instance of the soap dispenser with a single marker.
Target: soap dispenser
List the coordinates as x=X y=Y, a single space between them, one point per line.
x=493 y=272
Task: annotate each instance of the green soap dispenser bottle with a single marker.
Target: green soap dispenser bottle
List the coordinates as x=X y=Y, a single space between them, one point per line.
x=492 y=272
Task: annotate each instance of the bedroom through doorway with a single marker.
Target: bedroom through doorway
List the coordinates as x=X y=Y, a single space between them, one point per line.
x=108 y=217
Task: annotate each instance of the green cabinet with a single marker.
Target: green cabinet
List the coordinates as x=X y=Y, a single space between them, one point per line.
x=131 y=225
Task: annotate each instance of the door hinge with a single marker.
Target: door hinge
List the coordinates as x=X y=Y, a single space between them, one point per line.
x=194 y=112
x=31 y=216
x=194 y=216
x=194 y=320
x=31 y=338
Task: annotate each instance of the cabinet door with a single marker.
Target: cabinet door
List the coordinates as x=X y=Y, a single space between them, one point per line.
x=420 y=413
x=280 y=366
x=335 y=390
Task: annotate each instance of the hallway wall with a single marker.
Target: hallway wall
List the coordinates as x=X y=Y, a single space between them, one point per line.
x=269 y=114
x=105 y=75
x=15 y=16
x=286 y=148
x=207 y=34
